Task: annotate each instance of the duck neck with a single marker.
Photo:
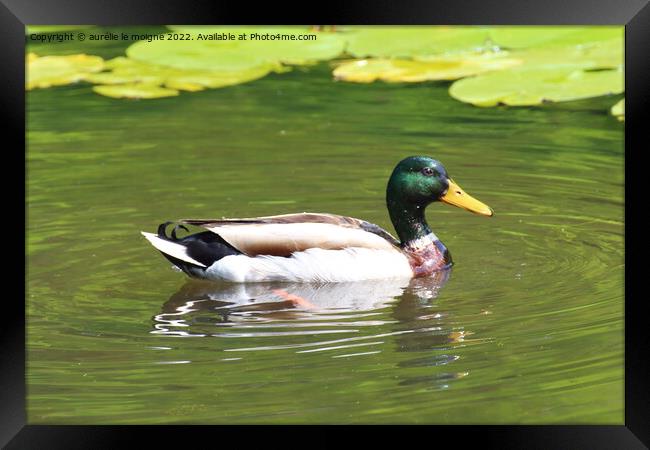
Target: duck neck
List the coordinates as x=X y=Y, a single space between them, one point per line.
x=409 y=222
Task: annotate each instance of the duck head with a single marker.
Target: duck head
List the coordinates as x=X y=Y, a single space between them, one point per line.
x=416 y=182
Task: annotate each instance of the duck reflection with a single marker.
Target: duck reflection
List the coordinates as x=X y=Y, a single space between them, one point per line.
x=235 y=302
x=424 y=329
x=404 y=309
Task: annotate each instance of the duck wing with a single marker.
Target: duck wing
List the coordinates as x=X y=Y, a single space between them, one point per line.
x=284 y=234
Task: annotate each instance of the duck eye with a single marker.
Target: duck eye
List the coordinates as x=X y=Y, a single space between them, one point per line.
x=428 y=171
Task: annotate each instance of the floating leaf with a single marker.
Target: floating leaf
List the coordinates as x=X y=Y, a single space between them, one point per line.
x=125 y=70
x=600 y=54
x=542 y=63
x=439 y=68
x=407 y=42
x=215 y=56
x=204 y=53
x=533 y=86
x=213 y=80
x=290 y=45
x=116 y=77
x=536 y=36
x=618 y=110
x=134 y=90
x=49 y=71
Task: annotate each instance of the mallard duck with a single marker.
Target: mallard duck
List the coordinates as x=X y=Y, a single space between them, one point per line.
x=316 y=247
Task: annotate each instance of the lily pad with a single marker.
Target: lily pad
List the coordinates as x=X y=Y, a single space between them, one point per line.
x=538 y=64
x=618 y=110
x=536 y=85
x=440 y=68
x=46 y=71
x=282 y=45
x=135 y=90
x=295 y=45
x=536 y=36
x=599 y=54
x=204 y=61
x=202 y=55
x=125 y=70
x=407 y=42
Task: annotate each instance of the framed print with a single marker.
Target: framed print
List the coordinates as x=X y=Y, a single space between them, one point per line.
x=413 y=217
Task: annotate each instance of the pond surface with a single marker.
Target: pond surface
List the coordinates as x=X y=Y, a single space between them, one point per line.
x=526 y=328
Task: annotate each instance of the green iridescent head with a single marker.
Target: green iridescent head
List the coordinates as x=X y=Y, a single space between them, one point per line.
x=416 y=182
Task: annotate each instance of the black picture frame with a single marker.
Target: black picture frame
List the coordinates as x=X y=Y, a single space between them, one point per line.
x=633 y=14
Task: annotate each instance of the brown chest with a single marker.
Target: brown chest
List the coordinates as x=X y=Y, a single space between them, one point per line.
x=425 y=261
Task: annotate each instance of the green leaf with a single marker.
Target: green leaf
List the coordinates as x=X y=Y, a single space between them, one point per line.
x=46 y=71
x=125 y=70
x=599 y=54
x=202 y=55
x=288 y=45
x=439 y=68
x=618 y=110
x=406 y=42
x=238 y=55
x=541 y=36
x=135 y=90
x=535 y=85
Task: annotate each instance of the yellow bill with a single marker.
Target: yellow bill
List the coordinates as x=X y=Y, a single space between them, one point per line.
x=457 y=197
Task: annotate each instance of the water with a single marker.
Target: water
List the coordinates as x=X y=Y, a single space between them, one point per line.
x=526 y=328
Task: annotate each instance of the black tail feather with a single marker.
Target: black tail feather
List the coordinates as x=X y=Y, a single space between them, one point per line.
x=161 y=230
x=205 y=247
x=178 y=225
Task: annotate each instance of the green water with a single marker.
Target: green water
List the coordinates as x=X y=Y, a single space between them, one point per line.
x=528 y=328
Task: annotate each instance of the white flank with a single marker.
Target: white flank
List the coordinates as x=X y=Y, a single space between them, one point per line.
x=314 y=265
x=170 y=248
x=256 y=239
